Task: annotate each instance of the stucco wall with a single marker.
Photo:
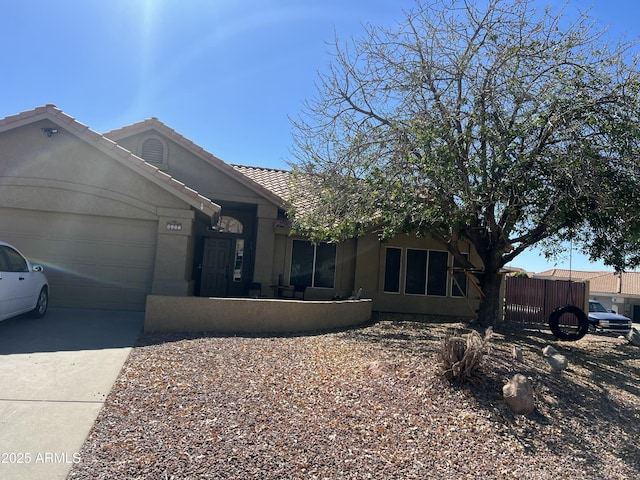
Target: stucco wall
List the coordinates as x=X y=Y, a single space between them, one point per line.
x=249 y=315
x=370 y=276
x=64 y=173
x=97 y=225
x=195 y=172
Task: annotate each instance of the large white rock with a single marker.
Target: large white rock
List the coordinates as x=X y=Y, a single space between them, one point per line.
x=558 y=362
x=554 y=358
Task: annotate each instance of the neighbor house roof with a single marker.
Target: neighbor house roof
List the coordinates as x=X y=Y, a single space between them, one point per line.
x=277 y=195
x=608 y=283
x=62 y=120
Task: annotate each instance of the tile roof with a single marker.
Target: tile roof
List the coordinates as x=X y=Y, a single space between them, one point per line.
x=575 y=274
x=110 y=147
x=602 y=282
x=274 y=180
x=272 y=190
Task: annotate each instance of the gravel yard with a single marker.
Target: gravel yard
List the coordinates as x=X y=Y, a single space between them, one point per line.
x=364 y=403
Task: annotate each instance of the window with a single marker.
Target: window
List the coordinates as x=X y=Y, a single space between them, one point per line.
x=15 y=261
x=437 y=273
x=313 y=265
x=239 y=260
x=324 y=265
x=393 y=258
x=459 y=286
x=4 y=264
x=426 y=272
x=416 y=276
x=230 y=224
x=154 y=150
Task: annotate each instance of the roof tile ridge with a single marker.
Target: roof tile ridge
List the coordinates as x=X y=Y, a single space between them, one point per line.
x=256 y=167
x=24 y=114
x=131 y=126
x=598 y=274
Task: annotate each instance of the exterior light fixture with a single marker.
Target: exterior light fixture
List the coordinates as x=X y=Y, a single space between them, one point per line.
x=174 y=226
x=49 y=131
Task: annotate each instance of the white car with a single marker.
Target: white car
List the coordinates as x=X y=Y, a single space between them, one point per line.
x=23 y=286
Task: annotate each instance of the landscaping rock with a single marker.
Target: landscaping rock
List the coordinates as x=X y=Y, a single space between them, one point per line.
x=558 y=362
x=634 y=336
x=377 y=368
x=517 y=354
x=554 y=358
x=518 y=394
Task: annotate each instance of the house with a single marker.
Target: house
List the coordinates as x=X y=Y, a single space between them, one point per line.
x=143 y=210
x=616 y=291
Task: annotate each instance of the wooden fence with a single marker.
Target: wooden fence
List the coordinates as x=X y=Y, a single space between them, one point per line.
x=530 y=301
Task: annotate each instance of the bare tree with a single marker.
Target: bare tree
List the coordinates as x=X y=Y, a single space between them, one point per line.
x=501 y=125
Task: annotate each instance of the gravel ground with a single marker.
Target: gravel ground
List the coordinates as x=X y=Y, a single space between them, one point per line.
x=364 y=403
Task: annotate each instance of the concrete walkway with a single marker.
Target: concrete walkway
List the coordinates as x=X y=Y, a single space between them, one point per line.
x=55 y=374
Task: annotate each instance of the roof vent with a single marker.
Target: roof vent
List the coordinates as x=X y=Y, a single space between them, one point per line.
x=153 y=151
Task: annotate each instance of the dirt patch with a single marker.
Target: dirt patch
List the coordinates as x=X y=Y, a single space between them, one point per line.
x=365 y=403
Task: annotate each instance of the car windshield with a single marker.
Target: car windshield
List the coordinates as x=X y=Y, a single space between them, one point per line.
x=597 y=307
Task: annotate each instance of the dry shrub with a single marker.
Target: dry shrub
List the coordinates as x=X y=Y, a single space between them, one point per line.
x=462 y=355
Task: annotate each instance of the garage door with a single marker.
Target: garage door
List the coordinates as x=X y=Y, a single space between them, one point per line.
x=90 y=261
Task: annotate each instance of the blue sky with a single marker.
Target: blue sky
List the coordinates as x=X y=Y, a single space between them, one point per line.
x=226 y=74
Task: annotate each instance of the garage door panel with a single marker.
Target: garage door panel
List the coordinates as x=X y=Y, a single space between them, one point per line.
x=107 y=297
x=90 y=261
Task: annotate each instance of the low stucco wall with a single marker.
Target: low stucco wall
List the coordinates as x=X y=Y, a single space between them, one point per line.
x=251 y=315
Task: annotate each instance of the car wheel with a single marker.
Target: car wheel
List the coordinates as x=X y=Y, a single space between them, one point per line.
x=43 y=303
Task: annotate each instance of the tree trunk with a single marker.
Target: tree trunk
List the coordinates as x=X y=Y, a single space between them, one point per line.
x=489 y=312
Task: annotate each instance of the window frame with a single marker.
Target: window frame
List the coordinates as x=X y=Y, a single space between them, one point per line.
x=465 y=293
x=425 y=275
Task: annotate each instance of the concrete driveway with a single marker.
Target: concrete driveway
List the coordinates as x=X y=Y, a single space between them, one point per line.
x=55 y=374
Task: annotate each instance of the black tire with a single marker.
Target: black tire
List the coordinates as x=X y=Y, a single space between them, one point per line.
x=43 y=303
x=568 y=332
